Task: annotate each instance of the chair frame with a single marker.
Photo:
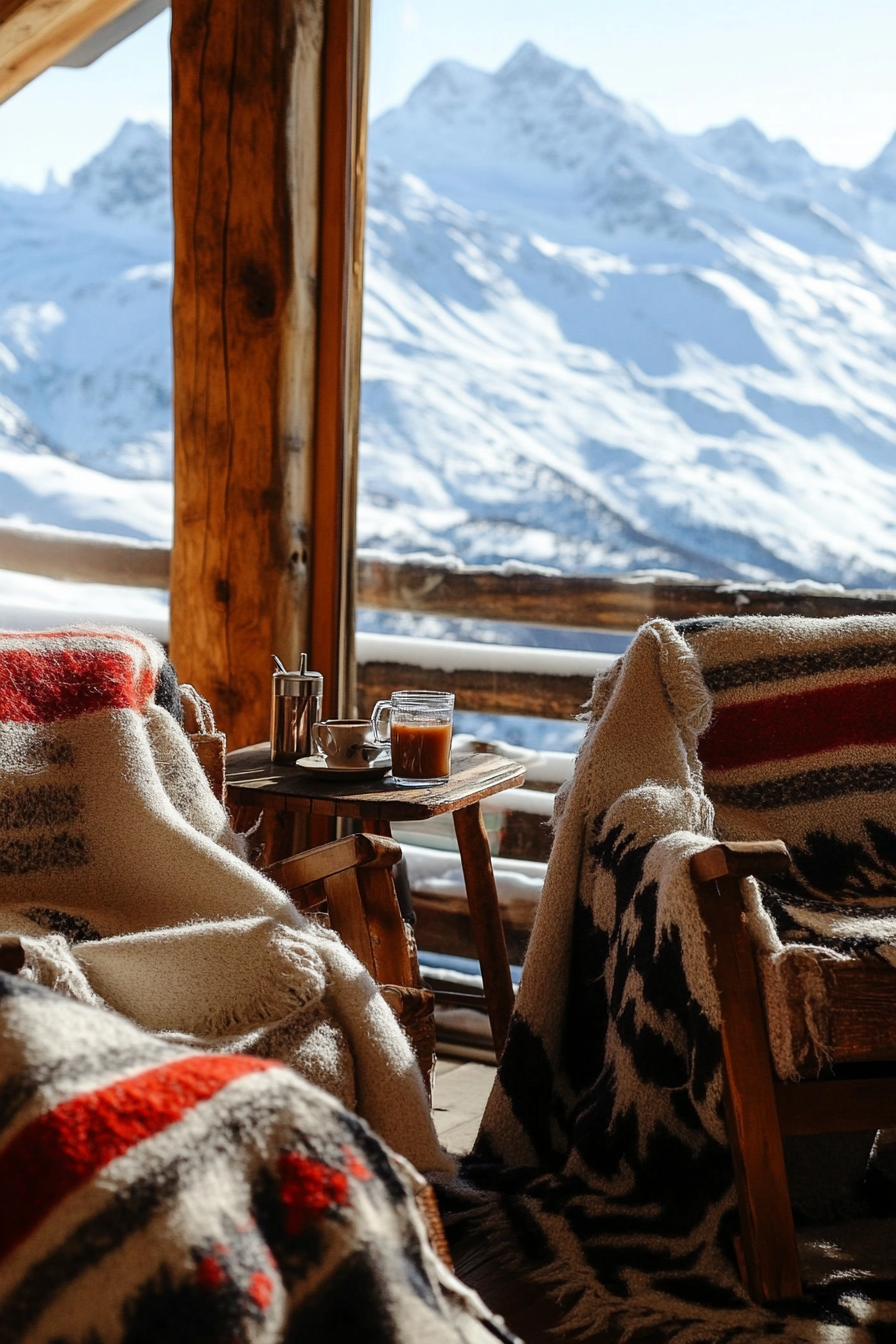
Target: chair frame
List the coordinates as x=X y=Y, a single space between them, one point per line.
x=759 y=1108
x=350 y=882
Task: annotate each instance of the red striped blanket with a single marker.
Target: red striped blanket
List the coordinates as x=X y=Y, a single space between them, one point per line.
x=121 y=874
x=149 y=1194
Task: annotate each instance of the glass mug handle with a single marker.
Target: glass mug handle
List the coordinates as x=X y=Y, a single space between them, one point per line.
x=381 y=709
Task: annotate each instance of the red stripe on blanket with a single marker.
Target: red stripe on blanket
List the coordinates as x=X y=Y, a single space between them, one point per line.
x=59 y=1152
x=47 y=686
x=859 y=713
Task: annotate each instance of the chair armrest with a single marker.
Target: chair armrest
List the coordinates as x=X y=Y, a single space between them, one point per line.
x=740 y=858
x=355 y=851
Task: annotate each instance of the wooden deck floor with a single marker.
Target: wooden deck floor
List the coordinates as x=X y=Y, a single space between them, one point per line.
x=459 y=1094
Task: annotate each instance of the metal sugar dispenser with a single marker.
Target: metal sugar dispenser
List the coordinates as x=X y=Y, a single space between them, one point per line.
x=296 y=704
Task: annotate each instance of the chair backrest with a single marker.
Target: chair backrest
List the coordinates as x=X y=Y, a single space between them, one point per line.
x=350 y=883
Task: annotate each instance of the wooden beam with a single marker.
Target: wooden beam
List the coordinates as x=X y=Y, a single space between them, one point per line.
x=34 y=34
x=345 y=66
x=543 y=695
x=81 y=558
x=526 y=595
x=266 y=115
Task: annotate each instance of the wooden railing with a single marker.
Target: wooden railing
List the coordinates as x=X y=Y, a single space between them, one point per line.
x=487 y=678
x=83 y=557
x=530 y=595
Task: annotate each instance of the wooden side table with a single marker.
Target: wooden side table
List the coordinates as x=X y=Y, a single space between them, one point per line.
x=252 y=781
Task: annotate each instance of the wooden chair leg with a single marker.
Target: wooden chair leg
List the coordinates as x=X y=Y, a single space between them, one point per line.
x=768 y=1238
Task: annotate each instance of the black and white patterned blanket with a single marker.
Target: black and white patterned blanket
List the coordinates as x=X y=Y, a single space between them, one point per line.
x=603 y=1164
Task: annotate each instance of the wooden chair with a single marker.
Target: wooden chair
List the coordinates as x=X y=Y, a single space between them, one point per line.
x=860 y=1029
x=349 y=884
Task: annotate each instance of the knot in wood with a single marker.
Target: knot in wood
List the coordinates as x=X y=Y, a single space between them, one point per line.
x=259 y=289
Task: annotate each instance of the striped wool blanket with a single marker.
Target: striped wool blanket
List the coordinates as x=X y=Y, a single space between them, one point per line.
x=602 y=1164
x=120 y=873
x=152 y=1194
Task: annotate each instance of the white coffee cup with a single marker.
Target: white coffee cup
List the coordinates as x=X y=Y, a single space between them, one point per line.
x=345 y=743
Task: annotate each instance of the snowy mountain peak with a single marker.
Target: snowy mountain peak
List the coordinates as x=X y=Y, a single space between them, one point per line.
x=131 y=176
x=445 y=92
x=879 y=178
x=744 y=149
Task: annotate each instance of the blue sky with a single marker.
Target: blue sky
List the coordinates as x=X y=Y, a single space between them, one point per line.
x=819 y=70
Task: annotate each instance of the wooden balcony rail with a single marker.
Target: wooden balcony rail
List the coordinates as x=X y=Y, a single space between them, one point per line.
x=530 y=595
x=486 y=678
x=83 y=557
x=439 y=586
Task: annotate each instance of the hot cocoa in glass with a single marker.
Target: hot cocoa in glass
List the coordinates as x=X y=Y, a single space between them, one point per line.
x=420 y=727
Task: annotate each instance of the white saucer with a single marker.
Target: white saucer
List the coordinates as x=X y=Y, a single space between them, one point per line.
x=319 y=765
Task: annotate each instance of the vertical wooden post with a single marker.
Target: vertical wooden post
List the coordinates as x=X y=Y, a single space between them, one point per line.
x=345 y=66
x=263 y=442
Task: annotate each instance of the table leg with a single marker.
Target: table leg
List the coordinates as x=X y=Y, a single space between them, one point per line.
x=485 y=917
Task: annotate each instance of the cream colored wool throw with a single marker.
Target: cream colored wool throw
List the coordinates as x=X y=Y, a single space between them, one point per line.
x=120 y=871
x=602 y=1166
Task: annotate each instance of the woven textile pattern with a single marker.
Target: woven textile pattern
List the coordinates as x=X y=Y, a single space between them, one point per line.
x=603 y=1158
x=151 y=1193
x=121 y=875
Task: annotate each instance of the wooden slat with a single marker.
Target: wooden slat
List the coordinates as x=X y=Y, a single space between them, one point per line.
x=569 y=601
x=444 y=926
x=836 y=1107
x=345 y=61
x=587 y=601
x=245 y=143
x=861 y=1010
x=347 y=916
x=544 y=696
x=391 y=954
x=337 y=857
x=34 y=34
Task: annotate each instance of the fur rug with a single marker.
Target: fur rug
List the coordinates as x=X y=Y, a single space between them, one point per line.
x=150 y=1194
x=119 y=871
x=603 y=1163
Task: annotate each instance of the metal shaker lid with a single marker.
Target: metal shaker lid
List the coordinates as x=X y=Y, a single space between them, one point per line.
x=299 y=683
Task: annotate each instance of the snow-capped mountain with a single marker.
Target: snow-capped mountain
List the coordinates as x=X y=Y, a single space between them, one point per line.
x=588 y=342
x=85 y=342
x=594 y=344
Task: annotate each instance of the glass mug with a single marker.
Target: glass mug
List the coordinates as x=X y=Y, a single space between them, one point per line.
x=420 y=726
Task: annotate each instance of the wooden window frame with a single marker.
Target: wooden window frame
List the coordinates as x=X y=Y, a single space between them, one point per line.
x=269 y=112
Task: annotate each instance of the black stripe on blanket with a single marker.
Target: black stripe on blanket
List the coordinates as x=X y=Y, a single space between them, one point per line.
x=760 y=671
x=40 y=805
x=811 y=786
x=63 y=850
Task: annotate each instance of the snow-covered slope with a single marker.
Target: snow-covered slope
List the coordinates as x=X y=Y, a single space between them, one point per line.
x=594 y=344
x=85 y=343
x=588 y=342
